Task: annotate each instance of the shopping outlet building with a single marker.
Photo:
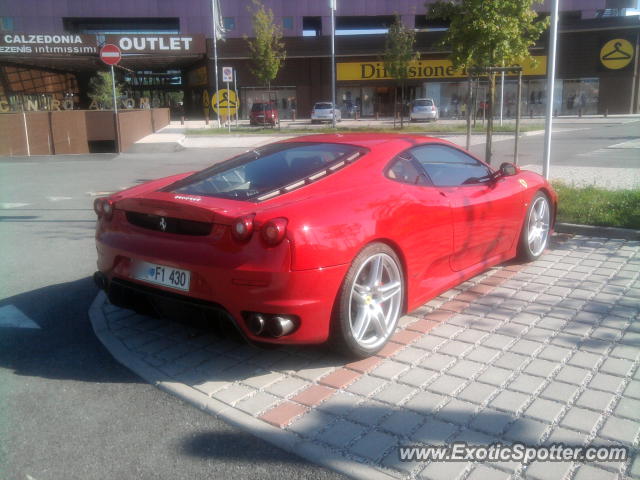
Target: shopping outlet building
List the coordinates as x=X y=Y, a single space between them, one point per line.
x=49 y=52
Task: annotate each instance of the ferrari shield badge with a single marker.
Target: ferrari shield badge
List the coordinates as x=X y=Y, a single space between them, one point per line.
x=523 y=183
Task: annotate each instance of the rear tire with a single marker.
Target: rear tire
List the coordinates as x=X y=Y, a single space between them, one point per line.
x=370 y=302
x=535 y=229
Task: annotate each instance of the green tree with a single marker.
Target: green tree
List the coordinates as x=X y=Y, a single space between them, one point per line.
x=398 y=54
x=266 y=47
x=486 y=34
x=101 y=90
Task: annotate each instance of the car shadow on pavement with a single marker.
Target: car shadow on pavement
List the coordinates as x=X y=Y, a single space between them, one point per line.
x=339 y=428
x=64 y=347
x=243 y=449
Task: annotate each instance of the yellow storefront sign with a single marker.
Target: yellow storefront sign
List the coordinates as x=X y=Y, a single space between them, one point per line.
x=227 y=100
x=616 y=53
x=422 y=69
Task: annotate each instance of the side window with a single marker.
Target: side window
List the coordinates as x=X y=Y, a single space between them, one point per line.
x=449 y=167
x=404 y=169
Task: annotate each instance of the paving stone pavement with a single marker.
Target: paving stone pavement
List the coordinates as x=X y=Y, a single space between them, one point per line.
x=537 y=353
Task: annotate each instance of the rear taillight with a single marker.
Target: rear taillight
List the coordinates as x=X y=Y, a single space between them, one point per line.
x=103 y=208
x=107 y=208
x=274 y=231
x=97 y=206
x=242 y=228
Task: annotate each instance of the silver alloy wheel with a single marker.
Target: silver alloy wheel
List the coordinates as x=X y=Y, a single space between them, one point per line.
x=375 y=301
x=538 y=231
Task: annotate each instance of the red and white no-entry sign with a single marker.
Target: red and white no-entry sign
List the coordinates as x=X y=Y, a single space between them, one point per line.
x=110 y=54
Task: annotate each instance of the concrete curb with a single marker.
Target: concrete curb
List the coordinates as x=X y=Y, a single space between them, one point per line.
x=594 y=231
x=284 y=439
x=316 y=132
x=160 y=147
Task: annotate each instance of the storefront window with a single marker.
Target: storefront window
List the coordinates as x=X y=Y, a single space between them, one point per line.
x=367 y=108
x=6 y=24
x=229 y=23
x=534 y=98
x=349 y=101
x=284 y=97
x=448 y=97
x=580 y=95
x=451 y=98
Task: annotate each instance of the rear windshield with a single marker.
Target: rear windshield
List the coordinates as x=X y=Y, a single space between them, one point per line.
x=423 y=103
x=268 y=171
x=322 y=106
x=259 y=107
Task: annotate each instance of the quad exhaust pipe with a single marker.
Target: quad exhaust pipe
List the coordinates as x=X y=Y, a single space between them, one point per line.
x=256 y=323
x=270 y=325
x=101 y=280
x=280 y=326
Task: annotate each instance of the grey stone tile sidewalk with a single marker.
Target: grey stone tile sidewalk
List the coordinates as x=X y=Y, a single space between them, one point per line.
x=539 y=353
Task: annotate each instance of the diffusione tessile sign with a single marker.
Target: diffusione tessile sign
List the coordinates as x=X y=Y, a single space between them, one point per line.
x=423 y=69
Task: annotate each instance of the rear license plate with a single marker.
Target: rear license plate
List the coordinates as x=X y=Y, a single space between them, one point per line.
x=162 y=275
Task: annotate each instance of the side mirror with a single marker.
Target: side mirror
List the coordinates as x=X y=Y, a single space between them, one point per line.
x=508 y=169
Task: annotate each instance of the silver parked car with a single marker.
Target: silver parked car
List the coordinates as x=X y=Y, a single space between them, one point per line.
x=323 y=112
x=423 y=109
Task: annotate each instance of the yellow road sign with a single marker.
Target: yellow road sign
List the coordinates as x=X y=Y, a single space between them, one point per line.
x=228 y=101
x=616 y=53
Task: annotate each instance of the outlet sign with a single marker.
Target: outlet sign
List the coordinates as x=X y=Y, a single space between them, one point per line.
x=159 y=44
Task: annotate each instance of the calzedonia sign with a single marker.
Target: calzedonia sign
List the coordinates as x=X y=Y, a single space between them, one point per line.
x=33 y=44
x=422 y=69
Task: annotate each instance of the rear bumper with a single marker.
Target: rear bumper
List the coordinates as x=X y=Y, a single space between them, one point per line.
x=263 y=121
x=424 y=115
x=307 y=294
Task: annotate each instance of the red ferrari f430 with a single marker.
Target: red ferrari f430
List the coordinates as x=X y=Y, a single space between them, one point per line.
x=320 y=237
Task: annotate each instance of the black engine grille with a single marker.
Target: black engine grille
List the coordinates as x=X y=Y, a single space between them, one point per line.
x=171 y=225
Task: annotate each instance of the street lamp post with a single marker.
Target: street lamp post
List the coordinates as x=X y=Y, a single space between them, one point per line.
x=333 y=4
x=551 y=84
x=215 y=55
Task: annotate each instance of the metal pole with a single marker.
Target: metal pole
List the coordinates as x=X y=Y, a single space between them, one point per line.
x=333 y=4
x=475 y=103
x=235 y=89
x=634 y=84
x=215 y=55
x=228 y=109
x=501 y=97
x=518 y=100
x=469 y=104
x=492 y=94
x=26 y=131
x=115 y=109
x=551 y=81
x=113 y=86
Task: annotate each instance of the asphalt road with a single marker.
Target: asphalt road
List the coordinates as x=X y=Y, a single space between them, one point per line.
x=67 y=409
x=585 y=143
